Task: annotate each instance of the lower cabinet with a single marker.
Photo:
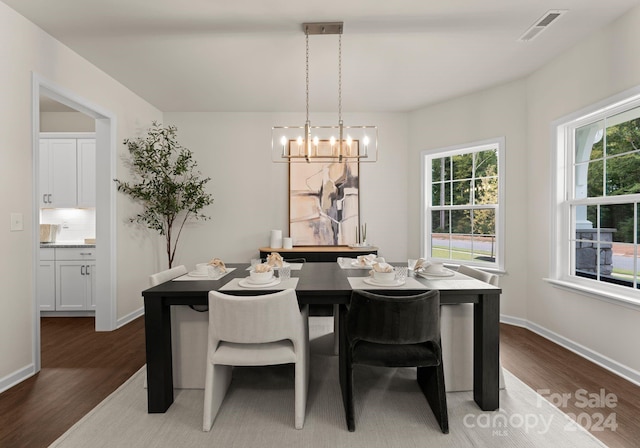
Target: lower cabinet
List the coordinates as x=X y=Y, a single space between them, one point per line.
x=66 y=279
x=47 y=285
x=75 y=285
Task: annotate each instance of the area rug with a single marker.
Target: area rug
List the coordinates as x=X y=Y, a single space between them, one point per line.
x=390 y=412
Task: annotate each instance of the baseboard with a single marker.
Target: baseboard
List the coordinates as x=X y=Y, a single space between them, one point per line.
x=603 y=361
x=130 y=317
x=16 y=377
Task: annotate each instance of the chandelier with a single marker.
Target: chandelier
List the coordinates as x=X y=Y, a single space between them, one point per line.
x=324 y=143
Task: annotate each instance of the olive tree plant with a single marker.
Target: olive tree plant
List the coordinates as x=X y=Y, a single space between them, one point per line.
x=166 y=183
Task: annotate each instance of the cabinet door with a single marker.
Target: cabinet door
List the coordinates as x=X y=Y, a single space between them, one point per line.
x=86 y=172
x=47 y=285
x=71 y=286
x=62 y=181
x=91 y=285
x=45 y=174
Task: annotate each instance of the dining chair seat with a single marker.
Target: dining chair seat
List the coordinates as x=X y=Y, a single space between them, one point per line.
x=279 y=352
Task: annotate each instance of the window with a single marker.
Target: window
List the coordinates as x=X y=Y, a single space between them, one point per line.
x=598 y=193
x=462 y=212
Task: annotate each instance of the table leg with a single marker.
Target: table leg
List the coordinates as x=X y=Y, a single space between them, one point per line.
x=157 y=329
x=486 y=352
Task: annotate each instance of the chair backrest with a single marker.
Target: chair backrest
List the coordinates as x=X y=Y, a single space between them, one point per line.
x=254 y=319
x=165 y=276
x=394 y=319
x=486 y=277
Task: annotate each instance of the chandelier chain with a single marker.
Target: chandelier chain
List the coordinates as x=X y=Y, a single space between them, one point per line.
x=307 y=74
x=340 y=77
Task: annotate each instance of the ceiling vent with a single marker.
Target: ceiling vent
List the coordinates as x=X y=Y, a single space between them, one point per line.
x=541 y=24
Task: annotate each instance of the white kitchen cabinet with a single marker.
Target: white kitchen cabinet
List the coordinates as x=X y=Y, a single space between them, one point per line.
x=67 y=172
x=47 y=280
x=86 y=173
x=72 y=285
x=58 y=178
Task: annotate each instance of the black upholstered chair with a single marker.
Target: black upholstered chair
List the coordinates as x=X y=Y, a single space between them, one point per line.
x=394 y=331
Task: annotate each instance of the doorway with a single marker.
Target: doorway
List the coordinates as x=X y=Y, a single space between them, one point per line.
x=105 y=312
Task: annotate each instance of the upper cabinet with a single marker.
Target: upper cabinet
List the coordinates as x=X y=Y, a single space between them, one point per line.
x=86 y=170
x=67 y=172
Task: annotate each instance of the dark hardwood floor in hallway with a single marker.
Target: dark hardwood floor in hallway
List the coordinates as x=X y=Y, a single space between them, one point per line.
x=82 y=367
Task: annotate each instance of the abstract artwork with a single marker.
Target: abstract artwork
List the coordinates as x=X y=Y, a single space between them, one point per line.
x=324 y=203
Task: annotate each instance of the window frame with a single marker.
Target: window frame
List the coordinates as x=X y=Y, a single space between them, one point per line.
x=426 y=201
x=562 y=251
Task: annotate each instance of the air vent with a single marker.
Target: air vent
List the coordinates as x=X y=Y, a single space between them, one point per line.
x=541 y=24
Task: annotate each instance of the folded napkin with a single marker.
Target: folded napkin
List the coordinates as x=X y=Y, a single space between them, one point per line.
x=263 y=267
x=275 y=259
x=421 y=265
x=382 y=267
x=218 y=264
x=369 y=260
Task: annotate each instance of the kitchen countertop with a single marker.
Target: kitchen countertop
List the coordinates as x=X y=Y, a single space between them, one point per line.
x=65 y=245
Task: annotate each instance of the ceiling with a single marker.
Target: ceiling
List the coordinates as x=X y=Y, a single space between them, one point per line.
x=249 y=55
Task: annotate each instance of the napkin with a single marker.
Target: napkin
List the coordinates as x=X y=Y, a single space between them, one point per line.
x=263 y=267
x=382 y=267
x=367 y=260
x=421 y=265
x=218 y=264
x=275 y=259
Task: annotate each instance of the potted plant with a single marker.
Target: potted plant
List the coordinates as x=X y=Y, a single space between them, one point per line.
x=166 y=183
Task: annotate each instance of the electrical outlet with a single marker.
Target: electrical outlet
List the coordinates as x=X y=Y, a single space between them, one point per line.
x=16 y=222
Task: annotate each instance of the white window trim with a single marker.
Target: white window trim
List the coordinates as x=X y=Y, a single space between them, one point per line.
x=560 y=259
x=425 y=176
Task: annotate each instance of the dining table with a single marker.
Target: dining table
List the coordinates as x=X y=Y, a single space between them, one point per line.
x=323 y=284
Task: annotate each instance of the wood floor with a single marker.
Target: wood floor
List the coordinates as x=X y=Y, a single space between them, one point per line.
x=81 y=367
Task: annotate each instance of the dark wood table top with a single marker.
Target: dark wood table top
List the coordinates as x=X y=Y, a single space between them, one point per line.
x=319 y=283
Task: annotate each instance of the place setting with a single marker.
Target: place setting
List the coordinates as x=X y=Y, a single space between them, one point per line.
x=429 y=269
x=361 y=262
x=213 y=270
x=384 y=276
x=275 y=260
x=263 y=276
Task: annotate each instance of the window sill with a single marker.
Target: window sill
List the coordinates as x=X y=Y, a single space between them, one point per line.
x=606 y=296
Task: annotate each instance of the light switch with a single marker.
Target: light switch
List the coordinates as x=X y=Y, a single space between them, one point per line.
x=16 y=222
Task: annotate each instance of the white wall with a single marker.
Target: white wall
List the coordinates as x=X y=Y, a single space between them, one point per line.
x=251 y=193
x=601 y=66
x=496 y=112
x=24 y=49
x=66 y=122
x=522 y=111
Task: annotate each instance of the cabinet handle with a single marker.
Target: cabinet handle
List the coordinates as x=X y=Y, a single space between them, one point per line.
x=86 y=269
x=82 y=270
x=44 y=198
x=49 y=201
x=85 y=253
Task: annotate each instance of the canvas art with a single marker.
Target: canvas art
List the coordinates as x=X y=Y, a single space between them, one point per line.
x=324 y=203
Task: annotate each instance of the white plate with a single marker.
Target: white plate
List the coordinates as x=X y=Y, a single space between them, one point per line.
x=445 y=273
x=197 y=274
x=245 y=283
x=374 y=282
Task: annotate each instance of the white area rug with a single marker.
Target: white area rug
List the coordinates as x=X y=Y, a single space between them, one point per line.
x=390 y=412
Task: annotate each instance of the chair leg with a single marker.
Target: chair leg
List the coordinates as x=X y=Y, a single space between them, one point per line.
x=301 y=390
x=431 y=381
x=216 y=383
x=336 y=329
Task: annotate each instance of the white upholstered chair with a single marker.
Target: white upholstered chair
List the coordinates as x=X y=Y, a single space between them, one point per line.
x=188 y=337
x=255 y=331
x=456 y=327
